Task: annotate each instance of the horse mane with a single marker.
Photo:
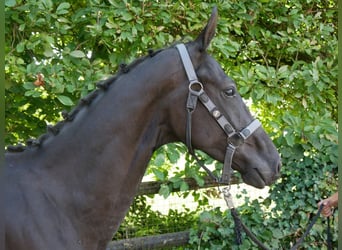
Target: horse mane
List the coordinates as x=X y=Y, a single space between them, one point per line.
x=102 y=86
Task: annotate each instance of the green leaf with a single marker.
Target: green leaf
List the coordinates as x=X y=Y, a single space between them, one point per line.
x=65 y=100
x=48 y=52
x=126 y=16
x=290 y=139
x=29 y=86
x=32 y=93
x=47 y=4
x=10 y=3
x=164 y=190
x=173 y=155
x=175 y=179
x=77 y=54
x=20 y=47
x=159 y=160
x=184 y=186
x=63 y=8
x=159 y=174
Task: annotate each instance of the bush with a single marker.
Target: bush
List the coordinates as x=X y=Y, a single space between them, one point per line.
x=215 y=229
x=142 y=221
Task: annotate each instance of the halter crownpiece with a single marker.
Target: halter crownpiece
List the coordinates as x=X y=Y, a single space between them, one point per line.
x=235 y=138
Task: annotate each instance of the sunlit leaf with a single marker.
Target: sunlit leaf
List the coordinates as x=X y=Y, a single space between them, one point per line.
x=10 y=3
x=65 y=100
x=77 y=53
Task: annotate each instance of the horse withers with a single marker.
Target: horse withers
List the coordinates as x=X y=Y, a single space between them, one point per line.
x=71 y=188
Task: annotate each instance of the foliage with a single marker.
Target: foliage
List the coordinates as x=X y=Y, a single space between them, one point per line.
x=215 y=230
x=282 y=54
x=142 y=221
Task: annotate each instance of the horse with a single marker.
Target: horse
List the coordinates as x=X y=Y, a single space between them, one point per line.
x=71 y=187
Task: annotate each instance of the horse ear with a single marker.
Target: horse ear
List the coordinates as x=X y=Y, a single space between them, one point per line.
x=207 y=34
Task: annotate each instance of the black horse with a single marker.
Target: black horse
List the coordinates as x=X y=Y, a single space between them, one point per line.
x=71 y=188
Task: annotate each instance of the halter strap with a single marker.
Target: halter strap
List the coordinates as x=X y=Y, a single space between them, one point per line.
x=235 y=138
x=189 y=69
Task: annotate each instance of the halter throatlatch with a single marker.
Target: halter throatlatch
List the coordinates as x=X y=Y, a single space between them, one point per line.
x=234 y=138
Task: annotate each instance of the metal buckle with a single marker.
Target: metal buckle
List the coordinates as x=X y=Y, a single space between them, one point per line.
x=228 y=197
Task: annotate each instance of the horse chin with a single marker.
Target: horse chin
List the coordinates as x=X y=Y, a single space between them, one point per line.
x=254 y=179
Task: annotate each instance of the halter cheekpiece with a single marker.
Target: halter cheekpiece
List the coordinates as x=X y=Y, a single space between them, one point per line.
x=234 y=138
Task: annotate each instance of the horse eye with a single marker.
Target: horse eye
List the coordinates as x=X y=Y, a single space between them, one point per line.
x=229 y=92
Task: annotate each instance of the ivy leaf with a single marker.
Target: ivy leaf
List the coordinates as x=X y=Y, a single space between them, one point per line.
x=65 y=100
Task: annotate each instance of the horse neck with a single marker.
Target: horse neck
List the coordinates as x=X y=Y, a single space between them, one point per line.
x=102 y=155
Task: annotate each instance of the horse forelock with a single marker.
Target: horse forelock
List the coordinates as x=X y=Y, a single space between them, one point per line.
x=102 y=86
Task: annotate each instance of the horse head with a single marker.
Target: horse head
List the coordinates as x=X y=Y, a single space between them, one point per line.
x=222 y=122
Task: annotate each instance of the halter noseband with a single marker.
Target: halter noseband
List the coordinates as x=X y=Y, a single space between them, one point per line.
x=234 y=138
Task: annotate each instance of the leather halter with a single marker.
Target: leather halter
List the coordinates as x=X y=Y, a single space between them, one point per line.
x=234 y=138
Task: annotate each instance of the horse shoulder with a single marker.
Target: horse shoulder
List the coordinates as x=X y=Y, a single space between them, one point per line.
x=33 y=219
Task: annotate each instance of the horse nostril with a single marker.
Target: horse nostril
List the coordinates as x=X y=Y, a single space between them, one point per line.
x=278 y=167
x=277 y=173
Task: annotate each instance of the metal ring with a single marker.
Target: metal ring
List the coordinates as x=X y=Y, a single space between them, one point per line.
x=199 y=85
